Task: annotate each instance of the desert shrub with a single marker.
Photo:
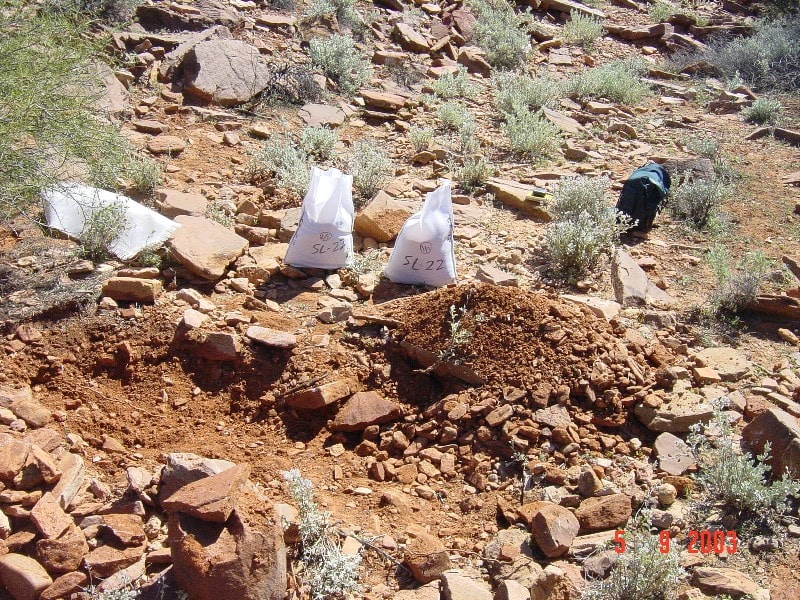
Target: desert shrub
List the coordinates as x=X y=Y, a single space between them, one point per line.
x=292 y=84
x=618 y=81
x=514 y=92
x=339 y=58
x=111 y=11
x=698 y=201
x=661 y=11
x=454 y=85
x=763 y=111
x=705 y=146
x=501 y=33
x=285 y=158
x=343 y=11
x=737 y=288
x=318 y=142
x=220 y=213
x=420 y=137
x=734 y=477
x=585 y=227
x=454 y=115
x=643 y=571
x=101 y=229
x=328 y=571
x=49 y=121
x=371 y=168
x=403 y=72
x=474 y=172
x=531 y=134
x=582 y=29
x=767 y=60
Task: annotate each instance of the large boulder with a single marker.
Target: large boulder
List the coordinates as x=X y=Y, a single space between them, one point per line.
x=211 y=498
x=205 y=247
x=782 y=431
x=228 y=560
x=554 y=527
x=227 y=72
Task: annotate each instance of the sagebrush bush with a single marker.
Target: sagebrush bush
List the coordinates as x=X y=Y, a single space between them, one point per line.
x=705 y=146
x=698 y=201
x=318 y=142
x=112 y=11
x=292 y=84
x=220 y=213
x=339 y=58
x=501 y=33
x=733 y=476
x=454 y=85
x=618 y=81
x=371 y=169
x=763 y=111
x=103 y=227
x=643 y=571
x=329 y=572
x=282 y=156
x=514 y=92
x=50 y=123
x=474 y=172
x=420 y=137
x=585 y=227
x=661 y=10
x=531 y=134
x=454 y=115
x=582 y=29
x=738 y=287
x=767 y=60
x=344 y=11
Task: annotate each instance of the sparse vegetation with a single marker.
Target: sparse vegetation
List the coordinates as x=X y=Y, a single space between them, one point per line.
x=420 y=137
x=661 y=11
x=585 y=226
x=339 y=58
x=698 y=201
x=103 y=227
x=531 y=134
x=282 y=156
x=454 y=85
x=461 y=324
x=582 y=29
x=474 y=172
x=343 y=11
x=501 y=33
x=112 y=11
x=319 y=142
x=618 y=81
x=328 y=571
x=514 y=92
x=217 y=211
x=371 y=168
x=705 y=146
x=643 y=571
x=737 y=288
x=291 y=84
x=763 y=111
x=733 y=476
x=454 y=115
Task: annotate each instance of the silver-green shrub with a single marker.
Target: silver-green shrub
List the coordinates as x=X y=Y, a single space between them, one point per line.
x=454 y=85
x=582 y=29
x=329 y=572
x=501 y=33
x=763 y=111
x=371 y=168
x=420 y=137
x=514 y=92
x=698 y=201
x=318 y=142
x=339 y=58
x=454 y=115
x=738 y=287
x=531 y=134
x=618 y=81
x=286 y=159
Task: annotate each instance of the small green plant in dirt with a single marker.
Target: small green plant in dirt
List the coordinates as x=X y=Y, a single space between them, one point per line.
x=420 y=137
x=367 y=263
x=698 y=201
x=473 y=172
x=738 y=288
x=461 y=325
x=101 y=229
x=343 y=11
x=763 y=111
x=661 y=11
x=733 y=476
x=643 y=571
x=585 y=226
x=501 y=33
x=454 y=85
x=582 y=29
x=319 y=142
x=532 y=135
x=282 y=156
x=514 y=92
x=618 y=81
x=371 y=169
x=327 y=570
x=219 y=213
x=454 y=115
x=339 y=58
x=705 y=146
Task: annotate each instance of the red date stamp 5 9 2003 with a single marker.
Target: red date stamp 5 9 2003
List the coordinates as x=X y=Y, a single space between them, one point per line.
x=698 y=542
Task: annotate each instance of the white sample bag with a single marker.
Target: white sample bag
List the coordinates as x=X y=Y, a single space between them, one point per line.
x=423 y=252
x=70 y=207
x=324 y=237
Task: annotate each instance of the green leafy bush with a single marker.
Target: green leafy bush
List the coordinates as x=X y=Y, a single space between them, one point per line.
x=738 y=288
x=328 y=571
x=371 y=168
x=339 y=58
x=50 y=124
x=734 y=477
x=514 y=92
x=618 y=81
x=501 y=33
x=763 y=111
x=582 y=29
x=531 y=134
x=454 y=85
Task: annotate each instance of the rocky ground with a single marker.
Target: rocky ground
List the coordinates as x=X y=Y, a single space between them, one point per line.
x=148 y=413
